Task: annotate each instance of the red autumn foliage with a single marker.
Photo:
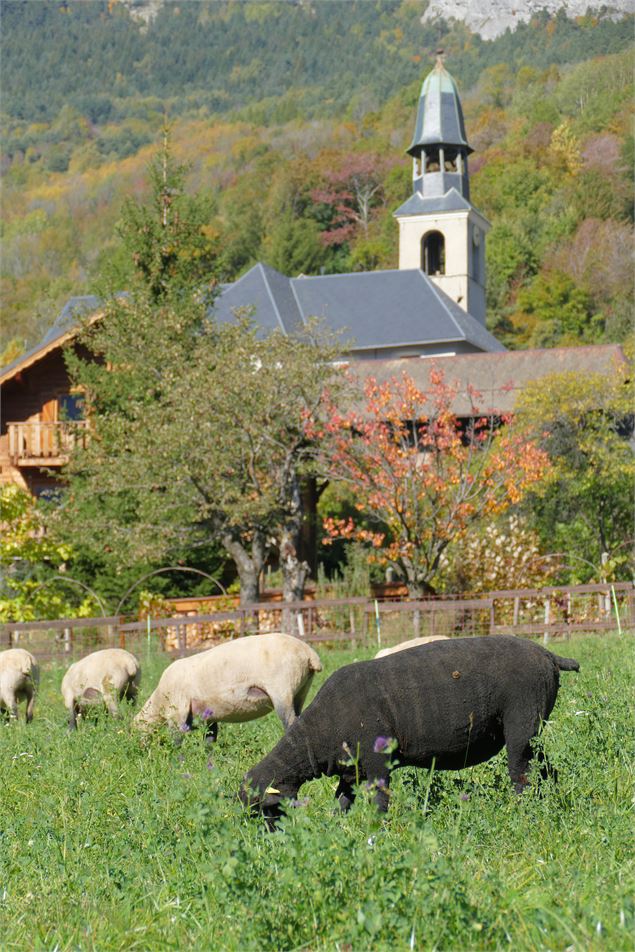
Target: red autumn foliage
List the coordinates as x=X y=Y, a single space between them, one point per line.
x=421 y=475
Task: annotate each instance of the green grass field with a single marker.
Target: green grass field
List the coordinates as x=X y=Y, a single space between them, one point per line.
x=105 y=844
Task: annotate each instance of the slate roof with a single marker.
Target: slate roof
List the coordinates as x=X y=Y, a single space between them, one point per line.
x=439 y=114
x=452 y=201
x=370 y=310
x=65 y=322
x=499 y=378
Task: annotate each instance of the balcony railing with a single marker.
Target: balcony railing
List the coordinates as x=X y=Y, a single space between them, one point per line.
x=44 y=444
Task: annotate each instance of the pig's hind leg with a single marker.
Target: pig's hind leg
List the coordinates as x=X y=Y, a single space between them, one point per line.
x=519 y=727
x=345 y=795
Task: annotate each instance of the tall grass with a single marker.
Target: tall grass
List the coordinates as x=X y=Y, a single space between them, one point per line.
x=105 y=844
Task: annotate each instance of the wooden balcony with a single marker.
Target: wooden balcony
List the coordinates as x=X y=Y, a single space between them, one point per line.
x=44 y=444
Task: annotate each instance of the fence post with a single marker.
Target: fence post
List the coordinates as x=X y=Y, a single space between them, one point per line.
x=378 y=623
x=351 y=619
x=182 y=640
x=68 y=639
x=516 y=611
x=492 y=618
x=545 y=636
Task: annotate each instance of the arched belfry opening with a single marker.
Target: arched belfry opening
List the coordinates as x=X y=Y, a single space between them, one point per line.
x=433 y=253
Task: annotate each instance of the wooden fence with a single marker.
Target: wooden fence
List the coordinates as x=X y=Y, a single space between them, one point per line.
x=547 y=613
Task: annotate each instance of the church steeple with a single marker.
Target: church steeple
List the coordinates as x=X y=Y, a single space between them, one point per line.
x=440 y=231
x=439 y=147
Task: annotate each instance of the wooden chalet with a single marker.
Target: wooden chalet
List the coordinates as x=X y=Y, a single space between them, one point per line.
x=41 y=416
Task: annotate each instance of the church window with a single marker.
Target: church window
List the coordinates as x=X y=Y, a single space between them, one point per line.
x=433 y=253
x=432 y=159
x=476 y=254
x=450 y=160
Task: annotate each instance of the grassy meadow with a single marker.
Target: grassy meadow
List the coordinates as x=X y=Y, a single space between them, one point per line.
x=105 y=844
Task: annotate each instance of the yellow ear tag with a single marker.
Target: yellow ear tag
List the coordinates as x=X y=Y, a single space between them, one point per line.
x=271 y=790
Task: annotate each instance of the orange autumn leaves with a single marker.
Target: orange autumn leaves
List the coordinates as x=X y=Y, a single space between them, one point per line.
x=420 y=474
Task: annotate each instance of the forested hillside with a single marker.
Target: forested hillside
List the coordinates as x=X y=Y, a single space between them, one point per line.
x=294 y=118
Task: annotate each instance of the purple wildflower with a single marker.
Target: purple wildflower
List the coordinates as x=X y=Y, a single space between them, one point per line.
x=207 y=714
x=185 y=728
x=381 y=744
x=304 y=802
x=464 y=797
x=210 y=765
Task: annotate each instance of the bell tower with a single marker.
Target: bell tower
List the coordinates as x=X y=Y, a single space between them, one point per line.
x=440 y=231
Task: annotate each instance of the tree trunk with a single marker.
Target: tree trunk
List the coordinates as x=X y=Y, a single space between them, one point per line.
x=294 y=569
x=417 y=589
x=294 y=573
x=248 y=564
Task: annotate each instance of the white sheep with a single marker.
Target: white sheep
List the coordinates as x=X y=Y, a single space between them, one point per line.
x=19 y=678
x=104 y=676
x=410 y=644
x=239 y=680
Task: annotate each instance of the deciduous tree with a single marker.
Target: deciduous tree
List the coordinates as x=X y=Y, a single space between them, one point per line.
x=197 y=429
x=422 y=475
x=585 y=506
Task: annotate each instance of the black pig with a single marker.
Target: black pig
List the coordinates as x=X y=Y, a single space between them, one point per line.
x=456 y=702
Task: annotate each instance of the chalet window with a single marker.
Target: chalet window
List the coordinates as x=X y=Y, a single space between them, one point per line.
x=72 y=406
x=433 y=253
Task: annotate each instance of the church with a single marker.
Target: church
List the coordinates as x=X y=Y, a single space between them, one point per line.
x=434 y=304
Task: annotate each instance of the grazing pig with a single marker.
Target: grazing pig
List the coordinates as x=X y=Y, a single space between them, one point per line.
x=453 y=704
x=236 y=681
x=413 y=643
x=103 y=677
x=19 y=678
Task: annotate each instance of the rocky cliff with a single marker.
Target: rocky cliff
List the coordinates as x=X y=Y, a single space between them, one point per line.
x=490 y=18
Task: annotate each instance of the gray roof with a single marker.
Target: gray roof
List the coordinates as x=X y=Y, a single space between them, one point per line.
x=268 y=292
x=74 y=308
x=498 y=378
x=370 y=310
x=439 y=115
x=452 y=201
x=65 y=321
